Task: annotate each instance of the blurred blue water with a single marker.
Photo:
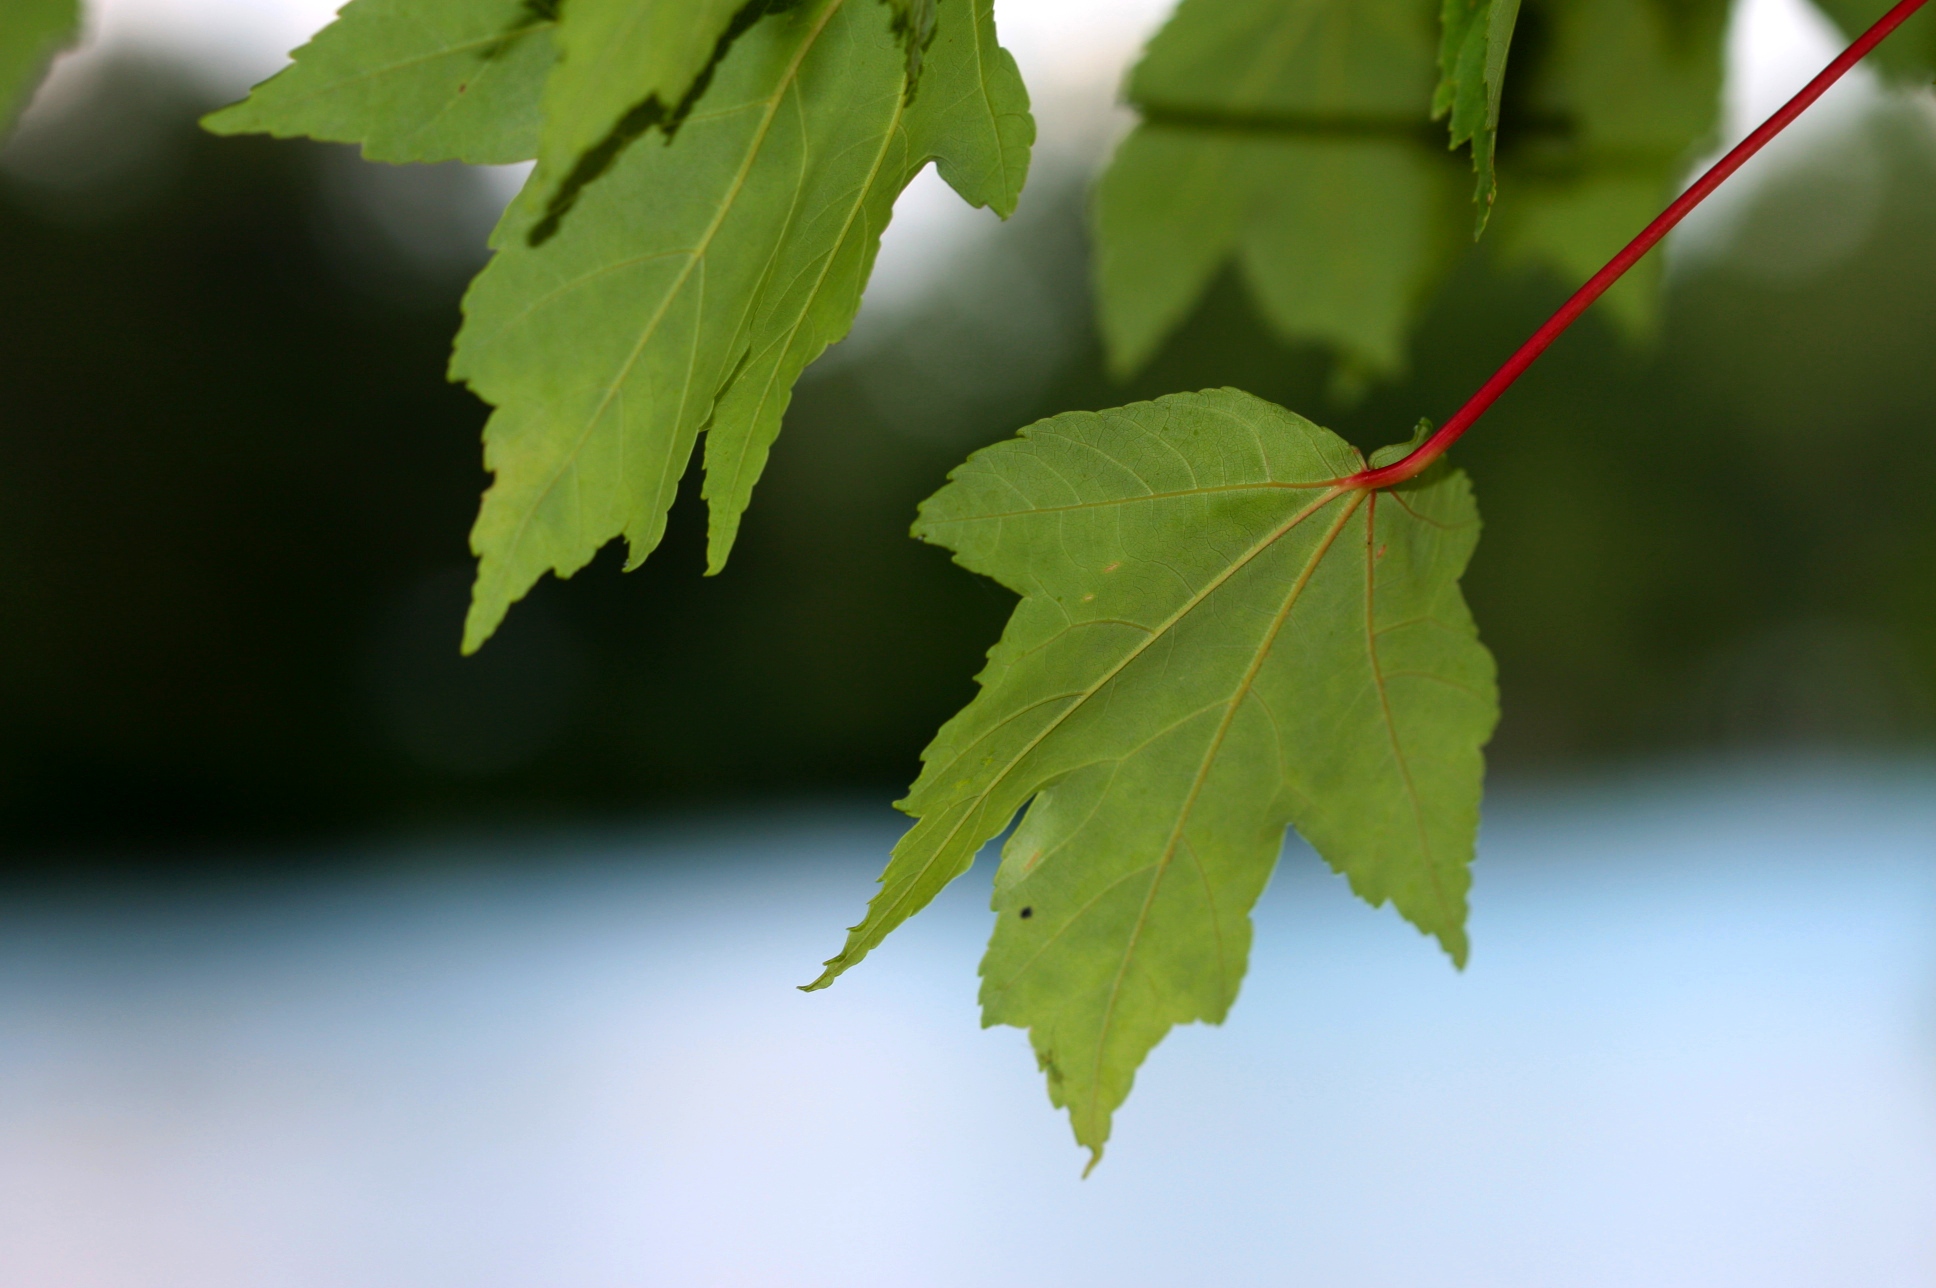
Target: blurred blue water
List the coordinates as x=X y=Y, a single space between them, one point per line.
x=1696 y=1045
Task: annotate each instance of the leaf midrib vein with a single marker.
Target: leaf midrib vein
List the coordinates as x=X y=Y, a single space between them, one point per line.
x=1218 y=489
x=975 y=803
x=1162 y=864
x=785 y=340
x=698 y=254
x=1115 y=764
x=483 y=42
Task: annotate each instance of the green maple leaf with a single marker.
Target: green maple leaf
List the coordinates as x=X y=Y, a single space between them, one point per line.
x=697 y=277
x=1214 y=642
x=31 y=33
x=413 y=80
x=1286 y=134
x=1475 y=36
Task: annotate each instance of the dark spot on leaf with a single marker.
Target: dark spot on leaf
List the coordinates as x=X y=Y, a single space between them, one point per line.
x=1027 y=913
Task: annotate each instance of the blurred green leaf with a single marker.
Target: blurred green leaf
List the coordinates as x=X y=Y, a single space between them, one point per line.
x=1286 y=135
x=1908 y=55
x=1212 y=644
x=1290 y=134
x=1339 y=240
x=1632 y=89
x=31 y=33
x=413 y=80
x=695 y=279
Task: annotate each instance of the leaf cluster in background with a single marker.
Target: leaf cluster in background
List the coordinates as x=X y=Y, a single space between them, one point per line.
x=1288 y=136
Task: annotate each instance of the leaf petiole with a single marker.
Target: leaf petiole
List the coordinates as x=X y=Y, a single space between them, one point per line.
x=1449 y=433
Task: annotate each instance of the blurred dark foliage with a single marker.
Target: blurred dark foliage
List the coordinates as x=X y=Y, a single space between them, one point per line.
x=234 y=493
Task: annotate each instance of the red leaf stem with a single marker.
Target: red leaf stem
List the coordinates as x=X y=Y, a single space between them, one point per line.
x=1449 y=433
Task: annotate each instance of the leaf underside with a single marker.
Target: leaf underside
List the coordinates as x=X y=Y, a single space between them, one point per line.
x=1289 y=139
x=412 y=80
x=31 y=33
x=698 y=275
x=713 y=178
x=1212 y=645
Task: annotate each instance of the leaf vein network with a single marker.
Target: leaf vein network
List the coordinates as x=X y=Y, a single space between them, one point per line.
x=374 y=73
x=1069 y=922
x=1216 y=489
x=1291 y=598
x=1001 y=776
x=569 y=460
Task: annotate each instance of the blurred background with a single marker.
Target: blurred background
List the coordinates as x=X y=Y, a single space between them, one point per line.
x=327 y=956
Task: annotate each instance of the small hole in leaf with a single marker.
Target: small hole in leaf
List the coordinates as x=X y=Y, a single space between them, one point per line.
x=1027 y=913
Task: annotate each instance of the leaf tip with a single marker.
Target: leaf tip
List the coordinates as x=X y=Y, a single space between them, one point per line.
x=228 y=120
x=482 y=621
x=1095 y=1157
x=1486 y=192
x=722 y=533
x=836 y=966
